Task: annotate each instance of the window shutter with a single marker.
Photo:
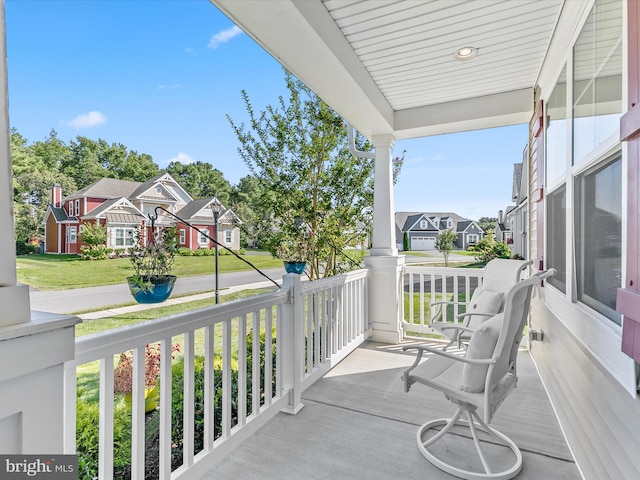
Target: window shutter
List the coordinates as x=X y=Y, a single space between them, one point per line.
x=628 y=298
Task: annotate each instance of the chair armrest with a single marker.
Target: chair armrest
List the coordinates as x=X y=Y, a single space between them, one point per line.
x=448 y=302
x=468 y=314
x=457 y=358
x=408 y=381
x=457 y=327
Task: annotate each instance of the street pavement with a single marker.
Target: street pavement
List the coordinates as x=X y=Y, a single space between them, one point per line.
x=93 y=298
x=104 y=298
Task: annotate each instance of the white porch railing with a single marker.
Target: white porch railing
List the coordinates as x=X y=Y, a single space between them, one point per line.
x=424 y=285
x=307 y=327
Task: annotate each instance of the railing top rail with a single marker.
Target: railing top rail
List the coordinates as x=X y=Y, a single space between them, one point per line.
x=336 y=280
x=111 y=342
x=467 y=272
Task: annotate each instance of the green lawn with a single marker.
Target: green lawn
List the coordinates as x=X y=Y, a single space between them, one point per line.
x=60 y=272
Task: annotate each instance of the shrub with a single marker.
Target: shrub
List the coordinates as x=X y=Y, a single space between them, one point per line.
x=94 y=252
x=185 y=251
x=87 y=416
x=488 y=249
x=23 y=248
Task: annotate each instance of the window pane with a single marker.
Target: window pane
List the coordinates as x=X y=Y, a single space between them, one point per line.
x=557 y=236
x=597 y=84
x=556 y=140
x=599 y=237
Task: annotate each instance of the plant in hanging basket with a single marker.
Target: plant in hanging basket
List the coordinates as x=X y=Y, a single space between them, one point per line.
x=152 y=262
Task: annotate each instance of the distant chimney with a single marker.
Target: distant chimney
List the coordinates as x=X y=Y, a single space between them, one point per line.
x=500 y=213
x=56 y=195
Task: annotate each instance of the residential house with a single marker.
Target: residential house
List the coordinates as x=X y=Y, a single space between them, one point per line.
x=422 y=228
x=568 y=69
x=122 y=206
x=512 y=223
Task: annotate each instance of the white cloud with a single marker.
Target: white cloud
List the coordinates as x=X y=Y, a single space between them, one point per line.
x=88 y=120
x=182 y=157
x=223 y=36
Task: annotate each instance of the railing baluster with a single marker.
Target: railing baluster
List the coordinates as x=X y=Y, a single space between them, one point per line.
x=226 y=379
x=310 y=335
x=189 y=401
x=105 y=435
x=279 y=347
x=242 y=370
x=209 y=388
x=268 y=356
x=165 y=408
x=255 y=371
x=137 y=413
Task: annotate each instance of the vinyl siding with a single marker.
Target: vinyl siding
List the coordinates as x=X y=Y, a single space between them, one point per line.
x=601 y=420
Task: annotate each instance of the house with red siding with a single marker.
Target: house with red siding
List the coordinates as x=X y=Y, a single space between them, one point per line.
x=122 y=206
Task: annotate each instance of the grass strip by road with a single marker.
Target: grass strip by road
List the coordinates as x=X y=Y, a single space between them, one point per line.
x=61 y=272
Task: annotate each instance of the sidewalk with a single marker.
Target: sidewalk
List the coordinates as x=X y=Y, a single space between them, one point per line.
x=172 y=301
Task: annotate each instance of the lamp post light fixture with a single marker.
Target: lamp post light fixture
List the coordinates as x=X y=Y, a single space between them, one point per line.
x=215 y=208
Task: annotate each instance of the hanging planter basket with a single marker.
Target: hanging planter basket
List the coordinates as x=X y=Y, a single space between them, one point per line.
x=294 y=267
x=151 y=290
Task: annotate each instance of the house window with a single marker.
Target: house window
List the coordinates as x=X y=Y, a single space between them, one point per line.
x=597 y=79
x=73 y=234
x=125 y=237
x=71 y=209
x=598 y=206
x=228 y=236
x=556 y=135
x=557 y=237
x=472 y=238
x=423 y=224
x=77 y=207
x=183 y=236
x=202 y=237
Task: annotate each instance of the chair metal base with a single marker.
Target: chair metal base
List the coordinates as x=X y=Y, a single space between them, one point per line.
x=474 y=423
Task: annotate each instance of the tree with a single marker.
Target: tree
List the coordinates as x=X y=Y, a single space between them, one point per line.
x=308 y=181
x=444 y=244
x=487 y=223
x=405 y=242
x=201 y=180
x=245 y=201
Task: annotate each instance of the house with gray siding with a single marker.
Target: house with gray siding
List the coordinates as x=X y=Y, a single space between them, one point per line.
x=422 y=228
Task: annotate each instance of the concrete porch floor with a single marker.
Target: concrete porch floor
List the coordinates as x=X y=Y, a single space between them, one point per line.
x=357 y=423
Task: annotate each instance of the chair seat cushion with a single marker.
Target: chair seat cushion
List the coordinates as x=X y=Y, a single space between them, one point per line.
x=481 y=346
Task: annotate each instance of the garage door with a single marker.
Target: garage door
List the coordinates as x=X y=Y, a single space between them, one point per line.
x=423 y=243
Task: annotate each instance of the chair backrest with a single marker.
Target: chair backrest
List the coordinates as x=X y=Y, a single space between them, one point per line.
x=515 y=312
x=499 y=276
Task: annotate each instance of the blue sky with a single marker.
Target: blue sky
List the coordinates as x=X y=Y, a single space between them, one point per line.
x=160 y=76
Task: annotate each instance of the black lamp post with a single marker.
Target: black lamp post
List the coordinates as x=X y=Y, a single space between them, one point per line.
x=216 y=213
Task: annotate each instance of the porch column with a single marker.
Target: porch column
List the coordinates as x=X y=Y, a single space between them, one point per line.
x=14 y=299
x=385 y=296
x=33 y=345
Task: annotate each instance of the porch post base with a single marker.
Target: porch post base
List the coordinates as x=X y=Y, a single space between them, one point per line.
x=32 y=355
x=385 y=298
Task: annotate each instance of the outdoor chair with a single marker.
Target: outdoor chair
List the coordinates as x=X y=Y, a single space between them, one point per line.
x=488 y=299
x=479 y=380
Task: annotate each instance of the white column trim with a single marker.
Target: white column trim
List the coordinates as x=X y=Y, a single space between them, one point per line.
x=383 y=237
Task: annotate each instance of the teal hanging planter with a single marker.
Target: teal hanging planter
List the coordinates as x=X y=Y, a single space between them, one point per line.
x=295 y=267
x=151 y=290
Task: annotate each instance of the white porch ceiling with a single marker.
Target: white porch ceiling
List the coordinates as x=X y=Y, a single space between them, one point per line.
x=388 y=66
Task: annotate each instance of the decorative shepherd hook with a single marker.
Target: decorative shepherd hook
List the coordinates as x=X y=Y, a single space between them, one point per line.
x=155 y=216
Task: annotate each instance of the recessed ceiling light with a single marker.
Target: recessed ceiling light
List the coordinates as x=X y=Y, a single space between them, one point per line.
x=466 y=53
